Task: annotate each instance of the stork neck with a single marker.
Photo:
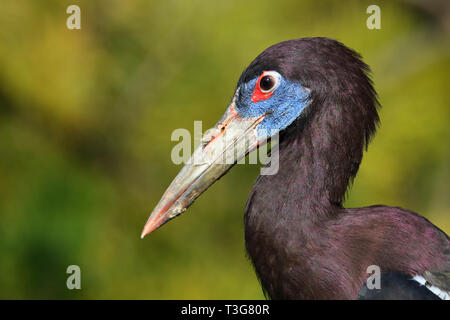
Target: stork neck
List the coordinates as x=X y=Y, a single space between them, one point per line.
x=318 y=160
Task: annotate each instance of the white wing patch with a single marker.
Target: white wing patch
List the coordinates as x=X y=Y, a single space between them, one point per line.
x=444 y=295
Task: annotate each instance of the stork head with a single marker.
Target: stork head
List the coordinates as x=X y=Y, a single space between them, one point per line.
x=272 y=93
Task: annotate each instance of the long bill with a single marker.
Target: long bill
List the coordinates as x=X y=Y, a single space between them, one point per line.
x=222 y=146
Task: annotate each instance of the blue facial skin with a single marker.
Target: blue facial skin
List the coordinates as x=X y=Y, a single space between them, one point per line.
x=285 y=105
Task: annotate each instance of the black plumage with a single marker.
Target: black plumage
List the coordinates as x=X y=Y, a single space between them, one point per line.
x=303 y=243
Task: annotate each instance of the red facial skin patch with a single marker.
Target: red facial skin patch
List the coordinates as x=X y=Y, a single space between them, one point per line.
x=258 y=95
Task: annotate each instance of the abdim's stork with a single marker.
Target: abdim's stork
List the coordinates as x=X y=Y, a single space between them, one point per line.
x=304 y=244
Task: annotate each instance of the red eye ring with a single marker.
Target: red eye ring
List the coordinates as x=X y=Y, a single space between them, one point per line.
x=260 y=94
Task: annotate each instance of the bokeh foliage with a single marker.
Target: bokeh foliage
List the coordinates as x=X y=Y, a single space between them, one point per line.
x=86 y=117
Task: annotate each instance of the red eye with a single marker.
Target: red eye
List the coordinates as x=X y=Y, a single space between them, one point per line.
x=265 y=85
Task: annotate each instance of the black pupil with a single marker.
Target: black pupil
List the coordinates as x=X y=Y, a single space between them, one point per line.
x=267 y=83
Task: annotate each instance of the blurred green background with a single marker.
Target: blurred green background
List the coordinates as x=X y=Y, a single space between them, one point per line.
x=86 y=117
